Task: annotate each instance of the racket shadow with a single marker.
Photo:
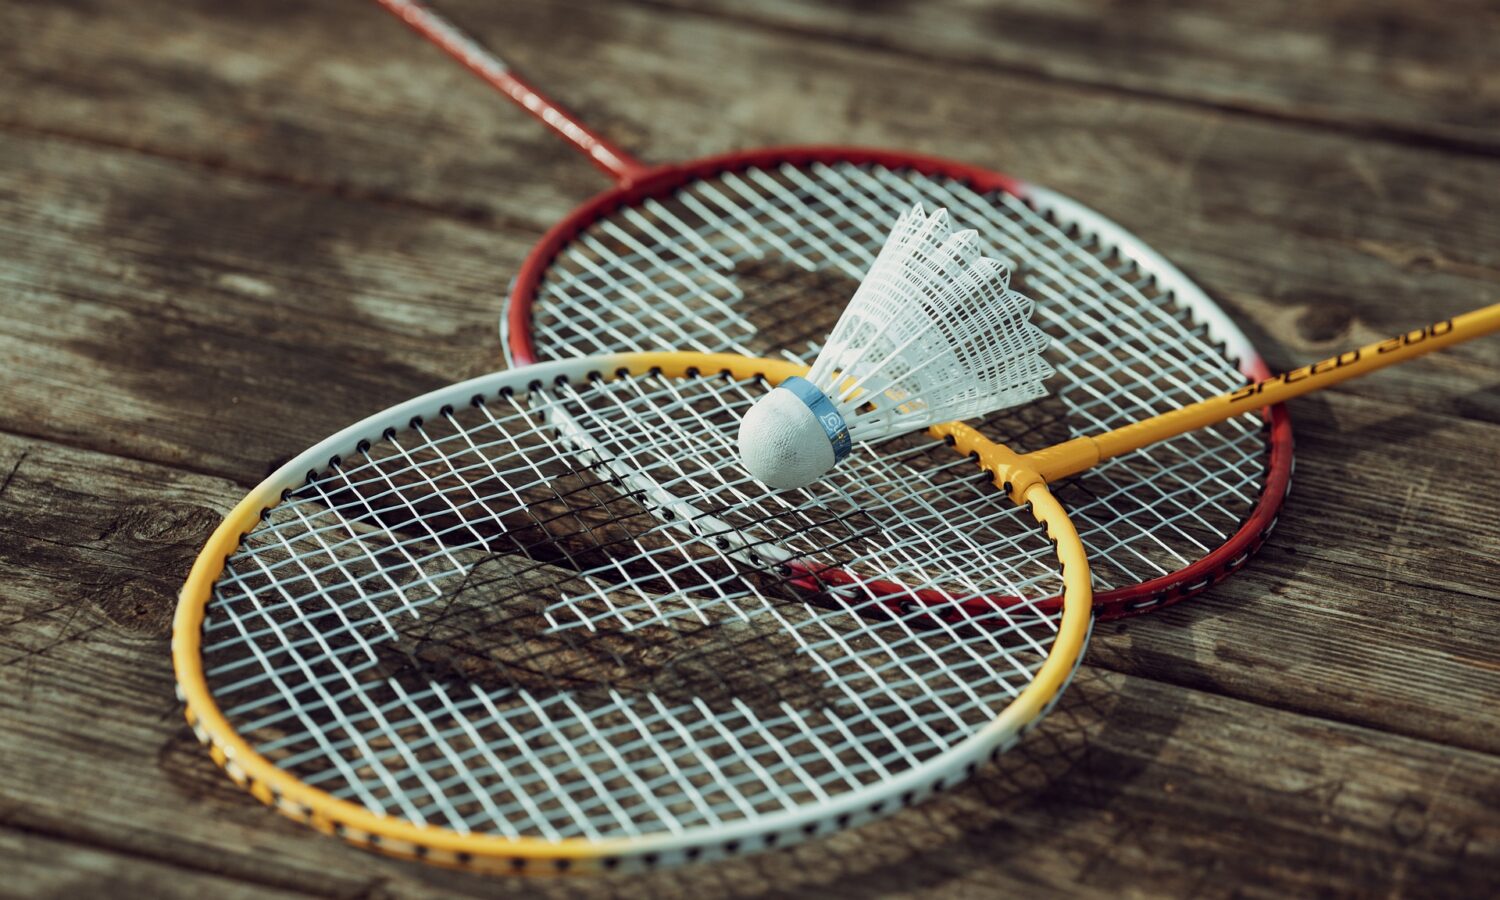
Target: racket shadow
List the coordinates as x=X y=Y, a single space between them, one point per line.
x=1060 y=779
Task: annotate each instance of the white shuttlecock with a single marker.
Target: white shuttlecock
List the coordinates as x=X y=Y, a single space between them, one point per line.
x=934 y=333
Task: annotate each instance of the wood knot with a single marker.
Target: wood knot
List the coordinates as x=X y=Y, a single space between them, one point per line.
x=1409 y=820
x=161 y=523
x=1323 y=322
x=143 y=605
x=157 y=542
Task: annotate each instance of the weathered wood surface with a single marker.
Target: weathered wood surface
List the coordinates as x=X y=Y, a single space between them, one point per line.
x=1307 y=233
x=98 y=760
x=49 y=867
x=1406 y=71
x=229 y=230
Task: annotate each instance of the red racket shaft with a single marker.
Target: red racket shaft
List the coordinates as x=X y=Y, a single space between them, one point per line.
x=616 y=163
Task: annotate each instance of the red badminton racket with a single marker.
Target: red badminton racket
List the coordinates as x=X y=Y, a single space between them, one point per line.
x=756 y=251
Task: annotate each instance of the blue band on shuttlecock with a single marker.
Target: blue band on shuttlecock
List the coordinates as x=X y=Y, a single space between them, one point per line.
x=825 y=412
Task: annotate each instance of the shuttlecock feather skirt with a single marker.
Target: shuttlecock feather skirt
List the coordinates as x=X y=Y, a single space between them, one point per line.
x=933 y=333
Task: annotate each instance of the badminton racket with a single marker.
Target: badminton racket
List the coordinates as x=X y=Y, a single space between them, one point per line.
x=756 y=252
x=455 y=632
x=543 y=621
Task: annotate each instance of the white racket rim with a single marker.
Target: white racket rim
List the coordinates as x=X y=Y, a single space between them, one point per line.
x=489 y=852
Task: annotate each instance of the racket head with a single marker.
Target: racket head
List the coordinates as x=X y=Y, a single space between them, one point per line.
x=1161 y=525
x=278 y=636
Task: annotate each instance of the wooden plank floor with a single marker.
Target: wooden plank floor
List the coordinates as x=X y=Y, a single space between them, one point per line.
x=228 y=229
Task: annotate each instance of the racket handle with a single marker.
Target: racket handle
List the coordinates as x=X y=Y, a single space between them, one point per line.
x=1072 y=457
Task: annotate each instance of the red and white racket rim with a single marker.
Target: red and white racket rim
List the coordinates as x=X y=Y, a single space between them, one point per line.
x=1157 y=592
x=636 y=181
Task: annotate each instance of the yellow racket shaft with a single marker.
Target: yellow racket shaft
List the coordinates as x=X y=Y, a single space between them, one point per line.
x=1016 y=473
x=1074 y=456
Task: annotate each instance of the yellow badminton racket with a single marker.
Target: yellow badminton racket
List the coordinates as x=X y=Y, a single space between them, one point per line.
x=543 y=620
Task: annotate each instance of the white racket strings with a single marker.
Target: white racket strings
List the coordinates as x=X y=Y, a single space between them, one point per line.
x=761 y=261
x=570 y=614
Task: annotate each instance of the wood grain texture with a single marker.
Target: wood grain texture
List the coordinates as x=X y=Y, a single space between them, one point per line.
x=1423 y=72
x=40 y=866
x=171 y=365
x=230 y=229
x=1304 y=233
x=1130 y=782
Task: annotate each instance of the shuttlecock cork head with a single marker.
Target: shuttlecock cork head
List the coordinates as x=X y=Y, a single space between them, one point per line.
x=934 y=333
x=792 y=436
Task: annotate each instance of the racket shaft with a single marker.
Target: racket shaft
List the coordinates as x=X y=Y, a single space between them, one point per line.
x=424 y=20
x=1074 y=456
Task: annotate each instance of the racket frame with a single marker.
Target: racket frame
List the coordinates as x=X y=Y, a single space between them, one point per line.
x=1163 y=590
x=635 y=181
x=488 y=852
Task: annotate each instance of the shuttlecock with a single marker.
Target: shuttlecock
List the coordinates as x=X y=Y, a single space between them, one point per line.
x=934 y=333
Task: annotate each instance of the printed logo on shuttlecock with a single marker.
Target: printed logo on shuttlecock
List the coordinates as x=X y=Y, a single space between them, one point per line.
x=934 y=333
